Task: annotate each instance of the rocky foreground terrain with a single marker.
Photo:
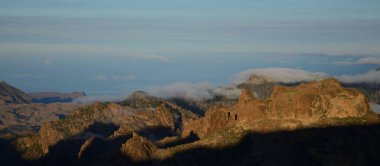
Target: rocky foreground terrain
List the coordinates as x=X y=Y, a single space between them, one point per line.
x=317 y=123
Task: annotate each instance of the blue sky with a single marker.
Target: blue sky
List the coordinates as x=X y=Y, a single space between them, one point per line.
x=115 y=47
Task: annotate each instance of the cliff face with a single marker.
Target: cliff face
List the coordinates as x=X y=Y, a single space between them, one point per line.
x=287 y=107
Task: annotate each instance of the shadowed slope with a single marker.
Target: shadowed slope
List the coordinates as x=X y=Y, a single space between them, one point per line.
x=345 y=145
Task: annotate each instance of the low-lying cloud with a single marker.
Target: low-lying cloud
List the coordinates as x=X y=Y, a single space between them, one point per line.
x=362 y=61
x=207 y=90
x=290 y=75
x=372 y=76
x=230 y=91
x=284 y=75
x=195 y=91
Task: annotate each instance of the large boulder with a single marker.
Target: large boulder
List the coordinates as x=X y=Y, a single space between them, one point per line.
x=138 y=148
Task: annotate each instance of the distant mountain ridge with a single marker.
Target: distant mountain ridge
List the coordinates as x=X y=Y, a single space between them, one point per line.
x=22 y=113
x=55 y=97
x=262 y=87
x=10 y=94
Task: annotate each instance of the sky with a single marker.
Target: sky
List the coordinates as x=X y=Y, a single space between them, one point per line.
x=116 y=47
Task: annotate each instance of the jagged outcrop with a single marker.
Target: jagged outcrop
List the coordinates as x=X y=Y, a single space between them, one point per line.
x=93 y=147
x=138 y=148
x=260 y=86
x=119 y=120
x=170 y=118
x=141 y=99
x=246 y=96
x=73 y=125
x=370 y=90
x=287 y=107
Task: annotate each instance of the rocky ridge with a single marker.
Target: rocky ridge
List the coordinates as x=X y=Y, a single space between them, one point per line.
x=12 y=95
x=145 y=128
x=289 y=107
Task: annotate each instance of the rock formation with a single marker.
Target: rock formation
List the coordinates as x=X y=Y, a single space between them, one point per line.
x=144 y=127
x=290 y=107
x=138 y=148
x=119 y=120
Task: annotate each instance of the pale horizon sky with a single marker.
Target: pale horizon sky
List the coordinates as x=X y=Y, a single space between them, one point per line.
x=115 y=47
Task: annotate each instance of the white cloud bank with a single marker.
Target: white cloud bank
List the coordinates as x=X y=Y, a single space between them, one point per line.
x=362 y=61
x=206 y=90
x=195 y=91
x=290 y=75
x=284 y=75
x=372 y=76
x=183 y=90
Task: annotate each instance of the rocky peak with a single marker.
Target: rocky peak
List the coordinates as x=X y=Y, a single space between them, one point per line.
x=140 y=95
x=257 y=79
x=287 y=107
x=246 y=96
x=142 y=99
x=331 y=82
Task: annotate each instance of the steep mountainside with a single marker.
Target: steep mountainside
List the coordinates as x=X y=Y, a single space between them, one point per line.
x=12 y=95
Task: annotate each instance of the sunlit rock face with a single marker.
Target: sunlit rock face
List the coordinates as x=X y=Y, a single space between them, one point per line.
x=287 y=107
